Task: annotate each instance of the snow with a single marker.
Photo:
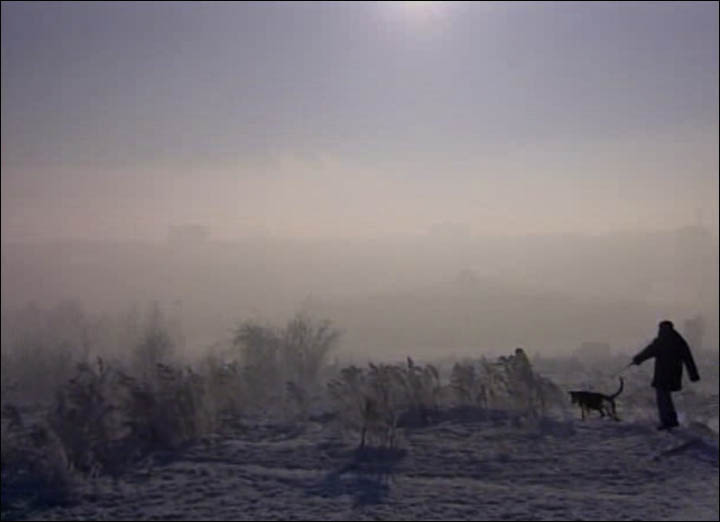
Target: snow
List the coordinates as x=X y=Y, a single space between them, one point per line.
x=462 y=467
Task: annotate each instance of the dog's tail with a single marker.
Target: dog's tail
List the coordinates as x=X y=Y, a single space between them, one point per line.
x=619 y=390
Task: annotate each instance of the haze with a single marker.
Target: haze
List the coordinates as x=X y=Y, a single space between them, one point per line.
x=431 y=176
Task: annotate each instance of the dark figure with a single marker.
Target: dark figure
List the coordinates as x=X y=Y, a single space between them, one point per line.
x=670 y=351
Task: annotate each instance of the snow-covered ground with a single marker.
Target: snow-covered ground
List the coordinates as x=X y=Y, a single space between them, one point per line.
x=462 y=467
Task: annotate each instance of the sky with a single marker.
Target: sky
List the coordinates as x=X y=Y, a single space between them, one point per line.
x=356 y=119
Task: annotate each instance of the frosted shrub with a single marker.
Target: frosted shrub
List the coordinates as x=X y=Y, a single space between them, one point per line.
x=509 y=383
x=226 y=385
x=34 y=465
x=375 y=401
x=87 y=416
x=284 y=365
x=467 y=386
x=422 y=389
x=174 y=408
x=106 y=419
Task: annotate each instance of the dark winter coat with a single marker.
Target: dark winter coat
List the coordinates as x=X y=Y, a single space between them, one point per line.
x=670 y=351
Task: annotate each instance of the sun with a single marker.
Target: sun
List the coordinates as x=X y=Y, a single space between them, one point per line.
x=417 y=11
x=420 y=7
x=416 y=5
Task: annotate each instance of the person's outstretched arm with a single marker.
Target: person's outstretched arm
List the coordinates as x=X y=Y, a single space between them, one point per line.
x=648 y=352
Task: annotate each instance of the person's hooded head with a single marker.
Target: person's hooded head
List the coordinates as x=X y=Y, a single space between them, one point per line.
x=665 y=328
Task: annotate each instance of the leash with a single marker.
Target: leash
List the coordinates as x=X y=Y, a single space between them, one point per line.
x=624 y=368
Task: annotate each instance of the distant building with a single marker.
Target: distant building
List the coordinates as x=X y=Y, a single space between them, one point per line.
x=188 y=234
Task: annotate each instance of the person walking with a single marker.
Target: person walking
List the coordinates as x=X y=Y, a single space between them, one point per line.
x=670 y=351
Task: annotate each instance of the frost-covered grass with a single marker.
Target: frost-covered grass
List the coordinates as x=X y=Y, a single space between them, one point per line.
x=465 y=467
x=267 y=428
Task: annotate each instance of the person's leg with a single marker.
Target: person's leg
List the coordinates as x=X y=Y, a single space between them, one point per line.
x=666 y=408
x=672 y=414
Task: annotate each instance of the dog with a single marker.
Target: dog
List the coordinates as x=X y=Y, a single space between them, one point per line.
x=596 y=401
